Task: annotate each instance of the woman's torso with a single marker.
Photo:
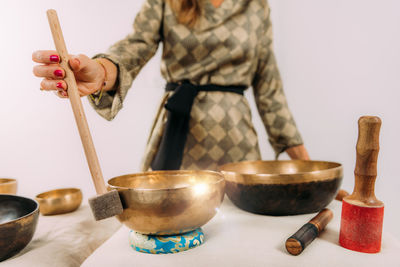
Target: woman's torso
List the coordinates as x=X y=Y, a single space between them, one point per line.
x=221 y=49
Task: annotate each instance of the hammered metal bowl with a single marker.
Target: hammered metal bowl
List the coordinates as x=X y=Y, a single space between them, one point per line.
x=18 y=220
x=168 y=202
x=282 y=187
x=59 y=201
x=8 y=186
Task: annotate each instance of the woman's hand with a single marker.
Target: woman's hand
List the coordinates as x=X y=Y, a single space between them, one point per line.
x=298 y=152
x=89 y=74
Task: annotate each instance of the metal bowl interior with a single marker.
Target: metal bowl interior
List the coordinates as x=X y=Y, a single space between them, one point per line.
x=168 y=202
x=282 y=187
x=59 y=201
x=8 y=186
x=18 y=220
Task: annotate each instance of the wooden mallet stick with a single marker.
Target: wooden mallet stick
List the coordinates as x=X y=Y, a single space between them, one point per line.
x=105 y=204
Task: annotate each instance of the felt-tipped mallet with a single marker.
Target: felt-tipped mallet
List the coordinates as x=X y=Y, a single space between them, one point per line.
x=362 y=213
x=105 y=204
x=311 y=230
x=308 y=232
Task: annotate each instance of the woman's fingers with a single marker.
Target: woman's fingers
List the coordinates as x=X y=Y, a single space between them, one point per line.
x=64 y=94
x=61 y=94
x=88 y=73
x=81 y=63
x=48 y=71
x=46 y=57
x=57 y=85
x=60 y=87
x=75 y=64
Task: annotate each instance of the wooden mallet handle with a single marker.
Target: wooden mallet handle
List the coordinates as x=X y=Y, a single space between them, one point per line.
x=76 y=104
x=366 y=162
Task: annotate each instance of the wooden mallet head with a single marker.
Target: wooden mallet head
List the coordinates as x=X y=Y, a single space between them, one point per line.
x=362 y=212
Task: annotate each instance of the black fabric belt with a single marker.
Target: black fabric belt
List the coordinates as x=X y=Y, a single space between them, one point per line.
x=179 y=104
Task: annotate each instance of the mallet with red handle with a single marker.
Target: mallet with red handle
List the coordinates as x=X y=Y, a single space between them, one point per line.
x=362 y=212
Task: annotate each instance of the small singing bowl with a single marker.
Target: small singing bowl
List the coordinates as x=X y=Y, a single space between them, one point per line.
x=59 y=201
x=168 y=202
x=282 y=187
x=18 y=220
x=8 y=186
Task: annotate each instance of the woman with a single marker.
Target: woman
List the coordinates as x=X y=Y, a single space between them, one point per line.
x=212 y=51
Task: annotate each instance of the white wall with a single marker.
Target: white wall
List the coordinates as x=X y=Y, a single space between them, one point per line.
x=339 y=60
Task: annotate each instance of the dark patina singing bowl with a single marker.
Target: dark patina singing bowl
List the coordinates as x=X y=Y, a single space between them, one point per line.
x=168 y=202
x=18 y=219
x=282 y=187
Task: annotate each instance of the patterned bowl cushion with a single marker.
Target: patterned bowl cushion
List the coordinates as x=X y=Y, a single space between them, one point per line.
x=154 y=244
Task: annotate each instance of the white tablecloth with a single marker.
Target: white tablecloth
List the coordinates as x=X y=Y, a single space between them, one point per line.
x=238 y=238
x=64 y=240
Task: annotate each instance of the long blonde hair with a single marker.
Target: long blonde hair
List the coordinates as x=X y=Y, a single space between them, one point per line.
x=187 y=11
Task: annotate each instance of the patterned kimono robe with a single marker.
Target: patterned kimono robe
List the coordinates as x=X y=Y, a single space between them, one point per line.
x=230 y=45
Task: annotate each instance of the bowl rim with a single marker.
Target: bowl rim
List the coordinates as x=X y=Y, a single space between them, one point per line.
x=40 y=197
x=277 y=178
x=4 y=181
x=170 y=172
x=25 y=216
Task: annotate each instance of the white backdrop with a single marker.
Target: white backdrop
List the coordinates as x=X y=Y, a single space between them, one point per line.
x=338 y=59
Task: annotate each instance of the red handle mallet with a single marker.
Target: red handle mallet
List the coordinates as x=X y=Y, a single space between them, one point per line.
x=362 y=212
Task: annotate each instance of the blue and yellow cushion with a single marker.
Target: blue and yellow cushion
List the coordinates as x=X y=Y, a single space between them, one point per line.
x=165 y=244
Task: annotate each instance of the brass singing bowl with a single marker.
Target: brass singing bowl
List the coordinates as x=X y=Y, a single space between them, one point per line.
x=18 y=220
x=8 y=186
x=168 y=202
x=59 y=201
x=282 y=187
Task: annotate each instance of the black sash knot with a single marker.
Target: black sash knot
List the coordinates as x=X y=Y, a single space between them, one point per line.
x=179 y=105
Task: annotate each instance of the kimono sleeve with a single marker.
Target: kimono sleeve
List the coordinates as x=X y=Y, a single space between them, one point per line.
x=270 y=98
x=130 y=55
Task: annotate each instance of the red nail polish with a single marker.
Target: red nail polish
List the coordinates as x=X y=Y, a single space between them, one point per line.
x=58 y=73
x=54 y=58
x=60 y=85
